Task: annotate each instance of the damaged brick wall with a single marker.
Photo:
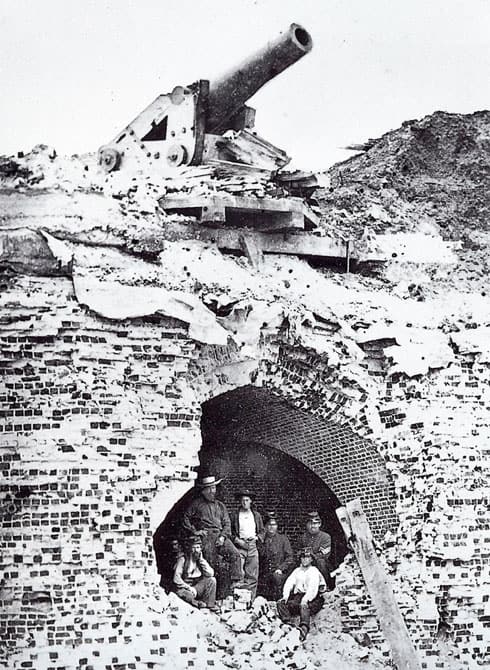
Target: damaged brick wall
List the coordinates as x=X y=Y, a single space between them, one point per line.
x=102 y=404
x=348 y=464
x=102 y=426
x=95 y=426
x=85 y=402
x=438 y=460
x=100 y=438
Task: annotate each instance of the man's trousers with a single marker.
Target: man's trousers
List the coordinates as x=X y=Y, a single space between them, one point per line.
x=206 y=592
x=250 y=566
x=293 y=607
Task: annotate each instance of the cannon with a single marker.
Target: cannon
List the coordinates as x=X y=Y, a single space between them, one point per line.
x=187 y=125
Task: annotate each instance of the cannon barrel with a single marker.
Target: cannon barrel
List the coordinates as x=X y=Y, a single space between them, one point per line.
x=229 y=93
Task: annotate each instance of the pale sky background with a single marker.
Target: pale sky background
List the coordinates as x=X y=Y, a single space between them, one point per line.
x=73 y=73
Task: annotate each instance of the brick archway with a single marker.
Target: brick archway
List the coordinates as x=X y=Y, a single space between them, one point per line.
x=293 y=460
x=348 y=464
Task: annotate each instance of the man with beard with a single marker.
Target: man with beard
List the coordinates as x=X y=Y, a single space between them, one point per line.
x=208 y=518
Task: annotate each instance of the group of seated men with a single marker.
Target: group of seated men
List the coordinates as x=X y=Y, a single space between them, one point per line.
x=259 y=558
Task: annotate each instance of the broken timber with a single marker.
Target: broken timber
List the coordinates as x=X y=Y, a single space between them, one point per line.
x=243 y=211
x=290 y=242
x=358 y=533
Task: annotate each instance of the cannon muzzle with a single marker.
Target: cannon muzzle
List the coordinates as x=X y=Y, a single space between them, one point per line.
x=228 y=94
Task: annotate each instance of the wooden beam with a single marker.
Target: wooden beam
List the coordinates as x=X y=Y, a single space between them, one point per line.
x=357 y=530
x=300 y=244
x=296 y=243
x=226 y=208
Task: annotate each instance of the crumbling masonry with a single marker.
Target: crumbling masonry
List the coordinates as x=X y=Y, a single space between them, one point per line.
x=111 y=341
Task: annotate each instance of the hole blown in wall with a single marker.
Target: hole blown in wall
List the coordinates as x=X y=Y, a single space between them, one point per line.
x=253 y=438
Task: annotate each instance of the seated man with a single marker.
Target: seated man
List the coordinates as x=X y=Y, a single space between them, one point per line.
x=276 y=559
x=246 y=528
x=320 y=544
x=209 y=518
x=301 y=593
x=194 y=579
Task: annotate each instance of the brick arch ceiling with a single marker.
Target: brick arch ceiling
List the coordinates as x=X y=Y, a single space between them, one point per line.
x=348 y=464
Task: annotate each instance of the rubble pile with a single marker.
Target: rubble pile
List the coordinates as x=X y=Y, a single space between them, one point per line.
x=433 y=171
x=118 y=323
x=430 y=175
x=255 y=638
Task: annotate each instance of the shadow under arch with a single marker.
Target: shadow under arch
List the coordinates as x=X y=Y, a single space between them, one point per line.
x=293 y=461
x=279 y=482
x=347 y=463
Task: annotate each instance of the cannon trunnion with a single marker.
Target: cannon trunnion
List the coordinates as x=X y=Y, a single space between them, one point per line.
x=186 y=126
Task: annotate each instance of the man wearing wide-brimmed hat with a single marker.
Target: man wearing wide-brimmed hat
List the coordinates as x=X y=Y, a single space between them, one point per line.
x=209 y=519
x=246 y=528
x=193 y=578
x=320 y=544
x=276 y=559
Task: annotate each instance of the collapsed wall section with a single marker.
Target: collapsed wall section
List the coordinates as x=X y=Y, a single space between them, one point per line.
x=102 y=409
x=424 y=402
x=101 y=437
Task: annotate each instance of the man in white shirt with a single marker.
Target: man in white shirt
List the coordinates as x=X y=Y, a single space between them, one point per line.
x=246 y=528
x=194 y=579
x=301 y=593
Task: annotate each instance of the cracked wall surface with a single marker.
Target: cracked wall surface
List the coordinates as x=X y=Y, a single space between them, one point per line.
x=113 y=334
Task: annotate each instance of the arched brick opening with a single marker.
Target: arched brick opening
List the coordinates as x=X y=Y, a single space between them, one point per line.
x=292 y=460
x=279 y=482
x=348 y=464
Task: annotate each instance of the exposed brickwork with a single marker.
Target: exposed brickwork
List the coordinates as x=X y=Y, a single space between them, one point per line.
x=101 y=438
x=346 y=462
x=85 y=401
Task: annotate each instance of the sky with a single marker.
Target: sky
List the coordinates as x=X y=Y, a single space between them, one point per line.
x=73 y=73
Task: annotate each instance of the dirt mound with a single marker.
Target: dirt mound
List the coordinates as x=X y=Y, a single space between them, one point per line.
x=430 y=176
x=432 y=172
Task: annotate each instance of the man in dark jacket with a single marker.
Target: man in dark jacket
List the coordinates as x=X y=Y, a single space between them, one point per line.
x=276 y=560
x=320 y=544
x=209 y=519
x=246 y=528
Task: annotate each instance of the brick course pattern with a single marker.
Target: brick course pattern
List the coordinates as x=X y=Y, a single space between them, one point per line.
x=101 y=436
x=85 y=402
x=347 y=463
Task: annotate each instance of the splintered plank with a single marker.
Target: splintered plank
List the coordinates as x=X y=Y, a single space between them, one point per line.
x=250 y=149
x=242 y=211
x=357 y=530
x=296 y=243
